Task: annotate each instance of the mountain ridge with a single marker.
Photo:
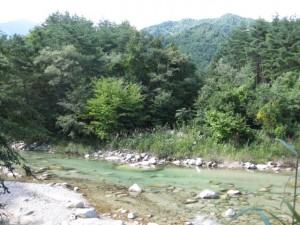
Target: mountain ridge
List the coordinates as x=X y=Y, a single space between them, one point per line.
x=200 y=39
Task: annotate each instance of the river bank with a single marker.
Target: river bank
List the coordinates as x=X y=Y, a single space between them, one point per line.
x=49 y=204
x=170 y=194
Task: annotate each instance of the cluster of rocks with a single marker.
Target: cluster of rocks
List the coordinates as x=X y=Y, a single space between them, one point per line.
x=22 y=146
x=144 y=160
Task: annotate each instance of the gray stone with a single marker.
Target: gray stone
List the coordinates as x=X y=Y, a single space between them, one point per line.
x=86 y=213
x=75 y=204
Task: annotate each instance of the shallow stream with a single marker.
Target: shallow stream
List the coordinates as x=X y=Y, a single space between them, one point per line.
x=168 y=188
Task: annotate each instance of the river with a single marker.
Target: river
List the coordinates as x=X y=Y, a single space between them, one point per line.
x=166 y=189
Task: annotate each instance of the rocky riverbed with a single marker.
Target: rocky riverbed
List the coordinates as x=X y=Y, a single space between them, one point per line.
x=48 y=204
x=162 y=202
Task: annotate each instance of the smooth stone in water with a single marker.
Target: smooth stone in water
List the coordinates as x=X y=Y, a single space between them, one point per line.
x=207 y=194
x=135 y=188
x=234 y=192
x=131 y=216
x=230 y=213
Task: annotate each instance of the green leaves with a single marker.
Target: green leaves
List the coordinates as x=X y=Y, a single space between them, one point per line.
x=115 y=107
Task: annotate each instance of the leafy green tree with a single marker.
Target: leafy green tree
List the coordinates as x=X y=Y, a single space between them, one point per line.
x=115 y=107
x=67 y=90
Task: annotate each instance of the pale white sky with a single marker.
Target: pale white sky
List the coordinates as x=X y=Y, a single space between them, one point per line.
x=143 y=13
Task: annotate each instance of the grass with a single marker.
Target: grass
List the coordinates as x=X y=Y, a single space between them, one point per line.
x=71 y=147
x=190 y=142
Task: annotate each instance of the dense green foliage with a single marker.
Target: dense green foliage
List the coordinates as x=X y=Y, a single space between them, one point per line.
x=115 y=107
x=72 y=79
x=201 y=39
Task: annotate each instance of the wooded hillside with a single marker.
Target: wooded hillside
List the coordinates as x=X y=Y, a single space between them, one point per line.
x=76 y=80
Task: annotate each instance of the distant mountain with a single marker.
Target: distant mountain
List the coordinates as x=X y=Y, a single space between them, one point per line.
x=17 y=27
x=201 y=39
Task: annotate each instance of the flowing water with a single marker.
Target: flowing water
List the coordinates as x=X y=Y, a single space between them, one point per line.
x=168 y=188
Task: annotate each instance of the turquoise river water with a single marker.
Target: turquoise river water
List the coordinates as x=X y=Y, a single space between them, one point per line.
x=167 y=188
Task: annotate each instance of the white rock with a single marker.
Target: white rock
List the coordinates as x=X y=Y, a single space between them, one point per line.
x=234 y=192
x=131 y=216
x=192 y=162
x=270 y=164
x=188 y=223
x=76 y=189
x=209 y=164
x=96 y=221
x=75 y=204
x=86 y=213
x=144 y=163
x=261 y=166
x=250 y=166
x=128 y=157
x=87 y=156
x=176 y=162
x=199 y=162
x=229 y=213
x=152 y=160
x=207 y=194
x=276 y=169
x=135 y=188
x=112 y=158
x=137 y=157
x=150 y=223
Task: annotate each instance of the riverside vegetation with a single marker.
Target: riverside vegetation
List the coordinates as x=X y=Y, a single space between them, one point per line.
x=111 y=85
x=79 y=85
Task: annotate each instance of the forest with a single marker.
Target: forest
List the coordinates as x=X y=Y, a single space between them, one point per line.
x=112 y=85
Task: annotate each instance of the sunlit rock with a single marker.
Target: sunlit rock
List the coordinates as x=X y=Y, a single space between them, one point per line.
x=86 y=213
x=152 y=160
x=131 y=215
x=199 y=162
x=207 y=194
x=229 y=213
x=261 y=166
x=233 y=192
x=176 y=162
x=75 y=204
x=135 y=188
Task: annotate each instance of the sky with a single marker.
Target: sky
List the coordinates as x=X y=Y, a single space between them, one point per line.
x=144 y=13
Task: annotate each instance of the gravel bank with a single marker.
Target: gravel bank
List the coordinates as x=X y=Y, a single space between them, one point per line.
x=44 y=204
